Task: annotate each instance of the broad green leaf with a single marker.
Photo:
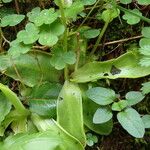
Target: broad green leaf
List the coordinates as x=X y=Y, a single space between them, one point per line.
x=60 y=58
x=32 y=68
x=29 y=35
x=134 y=97
x=12 y=97
x=102 y=115
x=146 y=121
x=109 y=14
x=76 y=8
x=91 y=33
x=89 y=108
x=5 y=107
x=42 y=99
x=145 y=88
x=53 y=138
x=125 y=1
x=131 y=122
x=118 y=106
x=125 y=66
x=69 y=111
x=17 y=48
x=131 y=18
x=88 y=2
x=11 y=20
x=144 y=42
x=101 y=96
x=6 y=1
x=143 y=2
x=146 y=32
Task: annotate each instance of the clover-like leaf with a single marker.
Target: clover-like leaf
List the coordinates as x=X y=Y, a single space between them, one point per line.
x=144 y=42
x=145 y=88
x=143 y=2
x=17 y=48
x=109 y=14
x=49 y=33
x=118 y=106
x=34 y=14
x=146 y=32
x=91 y=33
x=131 y=18
x=29 y=35
x=101 y=96
x=134 y=97
x=60 y=59
x=102 y=115
x=46 y=16
x=145 y=50
x=125 y=1
x=145 y=61
x=11 y=20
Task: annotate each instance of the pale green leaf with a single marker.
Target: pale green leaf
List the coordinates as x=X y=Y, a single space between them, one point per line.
x=134 y=97
x=146 y=121
x=145 y=50
x=102 y=115
x=101 y=96
x=88 y=2
x=6 y=1
x=69 y=111
x=11 y=20
x=146 y=32
x=91 y=33
x=145 y=88
x=131 y=18
x=118 y=106
x=5 y=107
x=144 y=42
x=125 y=1
x=131 y=122
x=145 y=61
x=29 y=35
x=125 y=66
x=143 y=2
x=53 y=138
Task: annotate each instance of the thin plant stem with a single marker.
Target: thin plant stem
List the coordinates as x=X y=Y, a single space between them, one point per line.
x=89 y=13
x=100 y=37
x=65 y=41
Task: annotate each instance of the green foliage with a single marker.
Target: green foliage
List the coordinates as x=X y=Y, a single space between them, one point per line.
x=91 y=139
x=5 y=107
x=134 y=97
x=69 y=111
x=101 y=96
x=105 y=113
x=132 y=122
x=125 y=66
x=118 y=106
x=11 y=20
x=145 y=88
x=125 y=1
x=54 y=50
x=132 y=19
x=146 y=121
